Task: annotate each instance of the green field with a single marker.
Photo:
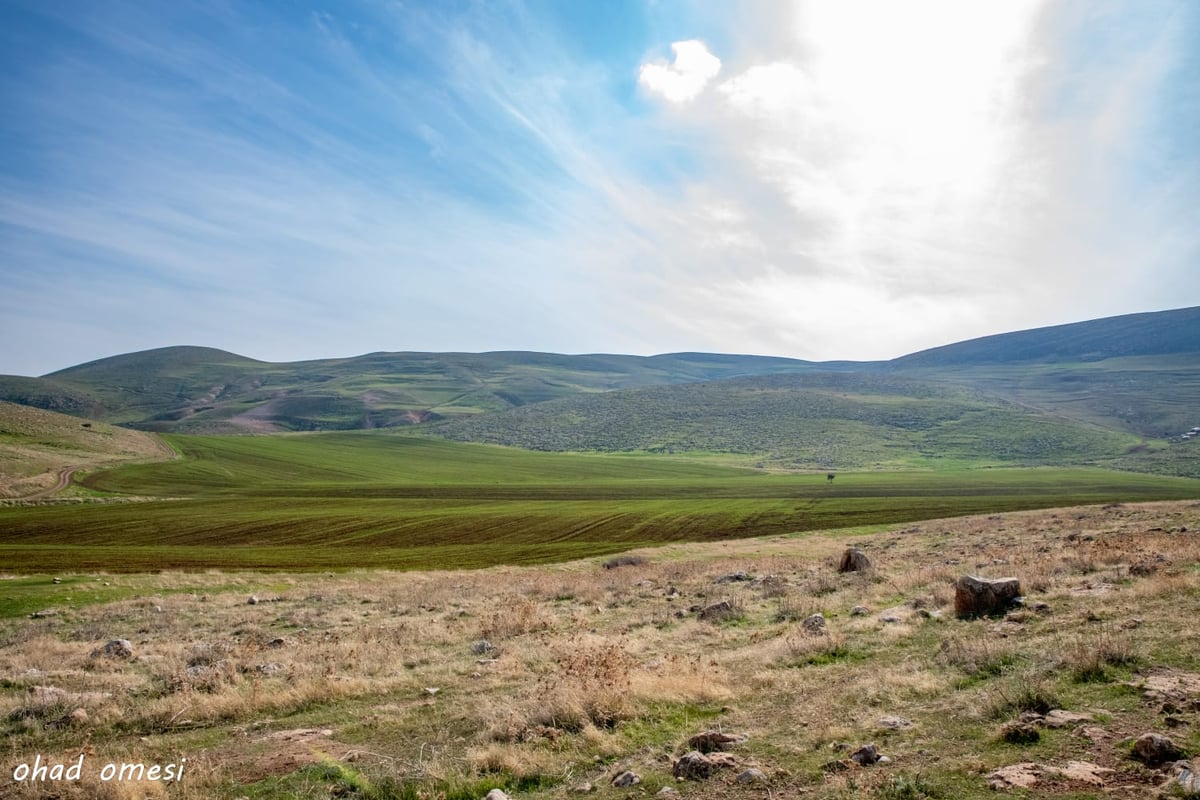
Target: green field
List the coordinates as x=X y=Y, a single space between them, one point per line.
x=353 y=500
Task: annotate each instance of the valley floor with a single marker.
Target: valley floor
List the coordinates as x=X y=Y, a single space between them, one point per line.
x=551 y=681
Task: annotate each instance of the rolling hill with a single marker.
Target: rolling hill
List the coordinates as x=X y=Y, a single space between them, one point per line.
x=202 y=390
x=1087 y=392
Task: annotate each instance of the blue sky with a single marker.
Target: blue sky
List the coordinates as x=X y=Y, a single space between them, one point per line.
x=821 y=180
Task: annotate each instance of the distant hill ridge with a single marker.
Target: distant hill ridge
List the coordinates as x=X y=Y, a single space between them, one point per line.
x=1145 y=334
x=1135 y=373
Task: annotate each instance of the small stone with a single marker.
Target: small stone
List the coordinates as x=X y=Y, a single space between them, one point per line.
x=717 y=611
x=432 y=690
x=695 y=765
x=117 y=648
x=667 y=791
x=752 y=775
x=44 y=613
x=269 y=668
x=76 y=717
x=859 y=611
x=252 y=600
x=482 y=647
x=734 y=577
x=712 y=741
x=865 y=756
x=584 y=788
x=1154 y=749
x=496 y=794
x=814 y=624
x=626 y=779
x=1018 y=732
x=58 y=580
x=890 y=723
x=1062 y=719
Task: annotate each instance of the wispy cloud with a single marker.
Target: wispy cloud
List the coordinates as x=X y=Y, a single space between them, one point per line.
x=816 y=179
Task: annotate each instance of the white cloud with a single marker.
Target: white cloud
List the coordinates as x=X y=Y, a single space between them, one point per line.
x=685 y=78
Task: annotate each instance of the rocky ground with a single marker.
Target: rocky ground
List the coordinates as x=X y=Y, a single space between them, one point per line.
x=768 y=668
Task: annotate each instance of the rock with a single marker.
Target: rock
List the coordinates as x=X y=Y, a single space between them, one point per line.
x=717 y=612
x=1083 y=771
x=432 y=690
x=1062 y=719
x=890 y=619
x=584 y=788
x=814 y=625
x=865 y=756
x=626 y=779
x=859 y=611
x=695 y=765
x=975 y=597
x=482 y=647
x=58 y=580
x=1021 y=775
x=1094 y=734
x=854 y=560
x=667 y=791
x=496 y=794
x=1186 y=779
x=76 y=717
x=47 y=695
x=1154 y=749
x=712 y=741
x=1018 y=732
x=890 y=723
x=734 y=577
x=44 y=613
x=277 y=642
x=752 y=775
x=269 y=668
x=117 y=648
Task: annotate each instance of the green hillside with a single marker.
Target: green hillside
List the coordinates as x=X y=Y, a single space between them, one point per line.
x=202 y=390
x=818 y=420
x=1117 y=392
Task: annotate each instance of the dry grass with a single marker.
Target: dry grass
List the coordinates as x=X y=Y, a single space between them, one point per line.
x=596 y=669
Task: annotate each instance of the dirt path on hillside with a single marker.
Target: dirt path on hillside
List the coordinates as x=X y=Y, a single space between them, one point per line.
x=67 y=473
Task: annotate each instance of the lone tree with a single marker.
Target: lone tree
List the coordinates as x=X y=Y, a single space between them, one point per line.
x=830 y=477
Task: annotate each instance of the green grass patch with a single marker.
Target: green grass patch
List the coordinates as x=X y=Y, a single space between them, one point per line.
x=354 y=501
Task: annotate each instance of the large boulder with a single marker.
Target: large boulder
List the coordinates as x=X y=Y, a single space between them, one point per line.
x=976 y=597
x=1154 y=749
x=854 y=560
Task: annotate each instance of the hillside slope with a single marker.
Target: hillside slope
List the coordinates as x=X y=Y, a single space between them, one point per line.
x=817 y=420
x=197 y=389
x=37 y=446
x=1149 y=334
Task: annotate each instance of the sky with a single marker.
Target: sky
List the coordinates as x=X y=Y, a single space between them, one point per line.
x=835 y=179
